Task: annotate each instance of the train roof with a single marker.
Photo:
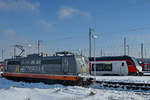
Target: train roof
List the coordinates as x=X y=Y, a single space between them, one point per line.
x=36 y=56
x=110 y=58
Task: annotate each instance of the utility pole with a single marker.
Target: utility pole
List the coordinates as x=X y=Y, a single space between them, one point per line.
x=124 y=46
x=128 y=49
x=2 y=53
x=94 y=37
x=145 y=52
x=142 y=51
x=14 y=51
x=38 y=46
x=101 y=52
x=90 y=42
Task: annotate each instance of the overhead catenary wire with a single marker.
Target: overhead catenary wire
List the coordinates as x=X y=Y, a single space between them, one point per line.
x=84 y=36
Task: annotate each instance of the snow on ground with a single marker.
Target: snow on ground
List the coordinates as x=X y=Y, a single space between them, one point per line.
x=10 y=90
x=130 y=79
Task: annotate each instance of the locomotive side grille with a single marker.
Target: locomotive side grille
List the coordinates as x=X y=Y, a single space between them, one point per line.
x=13 y=63
x=53 y=61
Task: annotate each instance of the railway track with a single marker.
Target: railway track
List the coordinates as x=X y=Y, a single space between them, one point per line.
x=120 y=85
x=123 y=85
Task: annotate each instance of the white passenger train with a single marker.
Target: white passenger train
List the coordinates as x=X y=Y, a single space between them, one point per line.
x=115 y=65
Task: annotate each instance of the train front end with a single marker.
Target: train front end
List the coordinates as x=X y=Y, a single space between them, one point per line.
x=138 y=67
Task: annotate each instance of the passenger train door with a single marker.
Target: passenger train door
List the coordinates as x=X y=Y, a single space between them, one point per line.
x=123 y=68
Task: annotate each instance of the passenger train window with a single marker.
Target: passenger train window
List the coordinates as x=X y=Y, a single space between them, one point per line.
x=108 y=67
x=102 y=67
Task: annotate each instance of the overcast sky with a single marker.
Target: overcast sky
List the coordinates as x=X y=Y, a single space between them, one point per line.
x=64 y=24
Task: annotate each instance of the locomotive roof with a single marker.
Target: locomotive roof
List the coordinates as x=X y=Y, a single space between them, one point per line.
x=110 y=58
x=37 y=56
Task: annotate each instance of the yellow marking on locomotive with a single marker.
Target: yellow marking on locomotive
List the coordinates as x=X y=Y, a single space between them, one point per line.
x=17 y=68
x=84 y=69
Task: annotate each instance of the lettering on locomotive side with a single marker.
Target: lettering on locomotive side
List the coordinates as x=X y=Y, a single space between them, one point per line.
x=30 y=69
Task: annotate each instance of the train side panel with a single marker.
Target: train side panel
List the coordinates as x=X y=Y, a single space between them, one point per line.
x=48 y=65
x=130 y=64
x=110 y=68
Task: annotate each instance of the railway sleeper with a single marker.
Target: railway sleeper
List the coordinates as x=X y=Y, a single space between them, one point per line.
x=128 y=86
